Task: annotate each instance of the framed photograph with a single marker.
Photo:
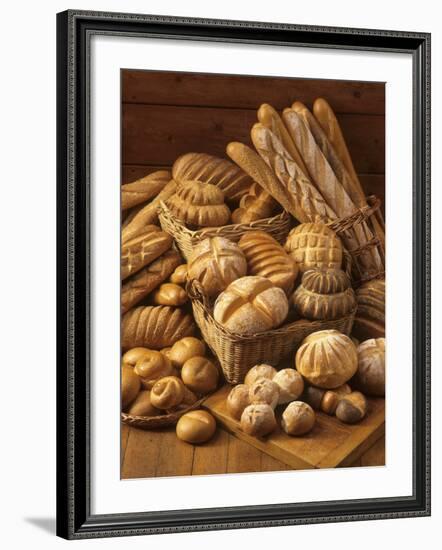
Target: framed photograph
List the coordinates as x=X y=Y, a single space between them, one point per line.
x=243 y=274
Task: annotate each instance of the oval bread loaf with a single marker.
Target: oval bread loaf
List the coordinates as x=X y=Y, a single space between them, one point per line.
x=228 y=177
x=215 y=263
x=266 y=258
x=199 y=204
x=155 y=327
x=251 y=305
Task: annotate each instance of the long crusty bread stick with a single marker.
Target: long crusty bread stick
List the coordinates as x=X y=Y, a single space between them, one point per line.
x=269 y=118
x=143 y=189
x=329 y=123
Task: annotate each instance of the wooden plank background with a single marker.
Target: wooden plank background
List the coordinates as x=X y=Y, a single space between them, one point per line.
x=166 y=114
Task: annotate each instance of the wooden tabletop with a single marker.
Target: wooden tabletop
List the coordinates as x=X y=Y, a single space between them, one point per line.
x=160 y=453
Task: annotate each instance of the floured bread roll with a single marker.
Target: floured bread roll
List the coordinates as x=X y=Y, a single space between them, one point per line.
x=251 y=305
x=291 y=385
x=264 y=391
x=298 y=418
x=259 y=371
x=327 y=359
x=258 y=420
x=216 y=262
x=200 y=204
x=370 y=376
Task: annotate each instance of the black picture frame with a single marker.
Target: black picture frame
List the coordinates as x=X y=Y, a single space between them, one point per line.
x=74 y=519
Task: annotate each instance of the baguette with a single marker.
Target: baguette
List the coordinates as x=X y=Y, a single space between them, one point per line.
x=306 y=202
x=143 y=189
x=233 y=181
x=269 y=118
x=148 y=278
x=332 y=190
x=148 y=214
x=330 y=125
x=155 y=327
x=143 y=249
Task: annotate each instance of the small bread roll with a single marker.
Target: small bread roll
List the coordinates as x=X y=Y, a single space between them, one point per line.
x=258 y=420
x=298 y=418
x=200 y=375
x=130 y=386
x=196 y=427
x=170 y=294
x=352 y=408
x=237 y=400
x=291 y=385
x=259 y=371
x=185 y=349
x=151 y=367
x=131 y=357
x=179 y=276
x=142 y=406
x=264 y=391
x=168 y=392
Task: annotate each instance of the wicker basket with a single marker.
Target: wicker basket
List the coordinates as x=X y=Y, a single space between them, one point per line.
x=364 y=214
x=278 y=226
x=237 y=354
x=157 y=422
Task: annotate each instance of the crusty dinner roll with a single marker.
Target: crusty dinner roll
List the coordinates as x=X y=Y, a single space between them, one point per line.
x=251 y=305
x=131 y=356
x=216 y=262
x=291 y=385
x=200 y=375
x=298 y=418
x=151 y=367
x=196 y=427
x=185 y=349
x=142 y=406
x=237 y=400
x=200 y=204
x=130 y=386
x=170 y=294
x=258 y=420
x=167 y=392
x=179 y=276
x=259 y=371
x=264 y=391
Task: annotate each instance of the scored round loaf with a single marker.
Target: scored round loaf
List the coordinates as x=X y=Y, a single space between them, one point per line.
x=216 y=262
x=199 y=204
x=327 y=359
x=226 y=175
x=266 y=258
x=291 y=385
x=152 y=366
x=251 y=305
x=298 y=418
x=237 y=400
x=324 y=294
x=258 y=420
x=314 y=245
x=370 y=315
x=370 y=376
x=259 y=371
x=155 y=327
x=264 y=391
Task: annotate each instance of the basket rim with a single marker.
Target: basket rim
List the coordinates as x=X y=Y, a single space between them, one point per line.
x=163 y=210
x=163 y=418
x=196 y=296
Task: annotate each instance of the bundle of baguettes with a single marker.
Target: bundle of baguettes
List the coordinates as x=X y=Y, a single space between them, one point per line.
x=303 y=162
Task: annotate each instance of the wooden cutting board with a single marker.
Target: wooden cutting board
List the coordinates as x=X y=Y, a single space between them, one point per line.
x=330 y=444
